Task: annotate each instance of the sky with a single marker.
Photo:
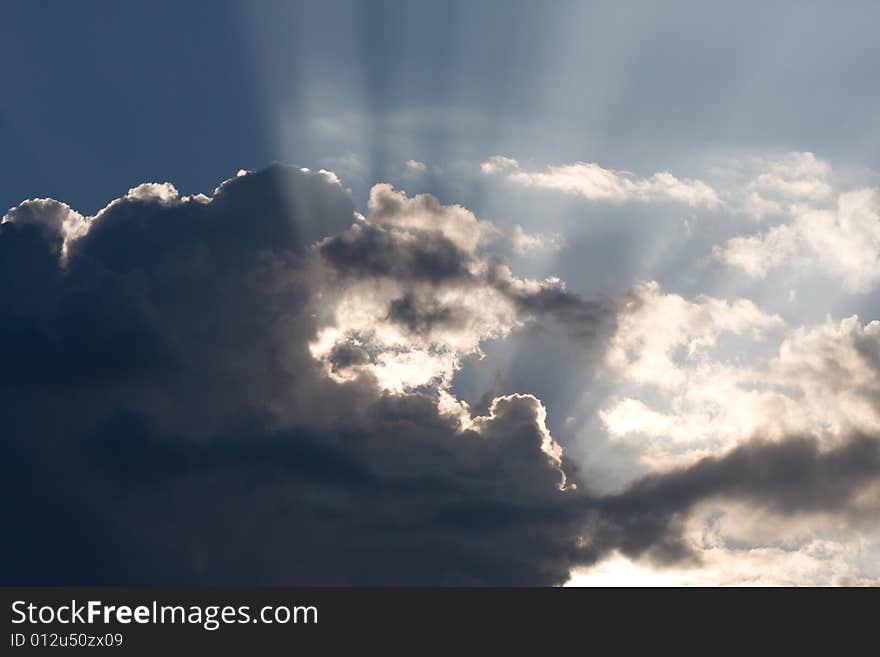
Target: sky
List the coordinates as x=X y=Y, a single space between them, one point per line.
x=441 y=293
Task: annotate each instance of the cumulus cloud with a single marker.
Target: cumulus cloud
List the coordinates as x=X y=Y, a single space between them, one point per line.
x=414 y=168
x=654 y=325
x=843 y=242
x=393 y=208
x=757 y=207
x=593 y=182
x=694 y=396
x=163 y=396
x=252 y=387
x=798 y=175
x=58 y=222
x=761 y=187
x=407 y=290
x=834 y=232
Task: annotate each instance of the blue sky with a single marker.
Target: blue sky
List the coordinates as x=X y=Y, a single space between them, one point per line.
x=96 y=95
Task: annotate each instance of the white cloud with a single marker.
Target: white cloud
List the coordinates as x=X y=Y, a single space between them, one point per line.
x=164 y=193
x=389 y=207
x=653 y=325
x=414 y=168
x=596 y=183
x=836 y=233
x=498 y=163
x=795 y=176
x=404 y=361
x=524 y=242
x=843 y=242
x=756 y=255
x=758 y=207
x=689 y=402
x=54 y=218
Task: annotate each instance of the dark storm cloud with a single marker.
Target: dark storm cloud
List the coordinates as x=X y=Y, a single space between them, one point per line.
x=585 y=320
x=421 y=317
x=163 y=420
x=790 y=477
x=367 y=250
x=344 y=355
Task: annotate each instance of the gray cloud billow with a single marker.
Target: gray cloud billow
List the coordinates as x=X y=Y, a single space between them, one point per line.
x=787 y=478
x=164 y=420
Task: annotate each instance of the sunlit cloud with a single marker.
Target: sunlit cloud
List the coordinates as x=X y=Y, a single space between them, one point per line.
x=595 y=183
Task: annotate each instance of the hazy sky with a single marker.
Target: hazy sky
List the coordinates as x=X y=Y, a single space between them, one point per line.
x=629 y=252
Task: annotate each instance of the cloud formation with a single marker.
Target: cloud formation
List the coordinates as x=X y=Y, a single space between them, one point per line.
x=414 y=168
x=407 y=295
x=797 y=175
x=834 y=232
x=694 y=382
x=843 y=241
x=253 y=387
x=792 y=477
x=593 y=182
x=161 y=396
